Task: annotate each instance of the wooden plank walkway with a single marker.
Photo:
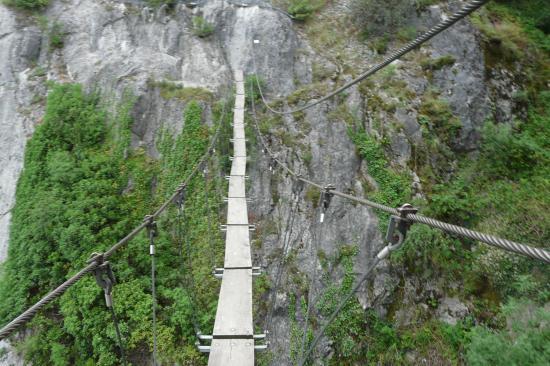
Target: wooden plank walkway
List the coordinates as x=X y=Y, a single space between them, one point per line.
x=233 y=342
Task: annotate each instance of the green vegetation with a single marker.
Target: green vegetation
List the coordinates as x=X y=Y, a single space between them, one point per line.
x=158 y=3
x=56 y=35
x=54 y=30
x=393 y=187
x=380 y=17
x=82 y=190
x=172 y=90
x=524 y=341
x=423 y=4
x=435 y=115
x=252 y=92
x=303 y=9
x=202 y=28
x=27 y=4
x=438 y=63
x=347 y=328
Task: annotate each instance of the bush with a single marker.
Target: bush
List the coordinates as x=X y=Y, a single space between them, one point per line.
x=201 y=28
x=438 y=63
x=27 y=4
x=252 y=92
x=301 y=9
x=380 y=18
x=56 y=34
x=525 y=341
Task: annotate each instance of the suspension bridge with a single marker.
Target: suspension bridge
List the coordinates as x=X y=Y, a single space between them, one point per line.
x=232 y=340
x=233 y=336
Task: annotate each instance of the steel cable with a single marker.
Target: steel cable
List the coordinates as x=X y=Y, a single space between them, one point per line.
x=286 y=241
x=441 y=26
x=117 y=331
x=152 y=233
x=310 y=295
x=30 y=312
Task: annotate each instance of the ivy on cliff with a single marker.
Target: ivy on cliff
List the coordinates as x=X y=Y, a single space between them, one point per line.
x=81 y=190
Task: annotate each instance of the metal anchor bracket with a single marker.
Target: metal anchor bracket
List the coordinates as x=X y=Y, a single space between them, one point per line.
x=397 y=230
x=218 y=272
x=105 y=279
x=326 y=197
x=152 y=230
x=251 y=227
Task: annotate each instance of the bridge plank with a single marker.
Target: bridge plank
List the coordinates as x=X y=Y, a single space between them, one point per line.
x=237 y=247
x=239 y=101
x=238 y=116
x=238 y=133
x=238 y=75
x=239 y=166
x=237 y=186
x=232 y=352
x=240 y=88
x=239 y=147
x=237 y=213
x=234 y=315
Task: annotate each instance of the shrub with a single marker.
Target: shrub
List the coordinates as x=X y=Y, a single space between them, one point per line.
x=438 y=63
x=252 y=92
x=524 y=341
x=171 y=90
x=56 y=34
x=27 y=4
x=201 y=28
x=382 y=17
x=301 y=9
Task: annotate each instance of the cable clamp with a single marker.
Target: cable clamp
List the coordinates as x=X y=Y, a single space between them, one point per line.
x=397 y=230
x=326 y=197
x=105 y=279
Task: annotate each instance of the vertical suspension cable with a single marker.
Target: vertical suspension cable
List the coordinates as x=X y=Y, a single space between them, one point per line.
x=310 y=298
x=117 y=331
x=152 y=231
x=190 y=277
x=208 y=219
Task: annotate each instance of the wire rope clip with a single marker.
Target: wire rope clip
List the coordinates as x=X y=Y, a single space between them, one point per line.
x=397 y=230
x=326 y=197
x=105 y=279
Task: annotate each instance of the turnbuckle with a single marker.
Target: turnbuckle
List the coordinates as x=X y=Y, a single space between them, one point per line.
x=397 y=230
x=326 y=197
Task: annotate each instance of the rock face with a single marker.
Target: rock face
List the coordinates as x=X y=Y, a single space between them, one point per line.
x=118 y=47
x=19 y=48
